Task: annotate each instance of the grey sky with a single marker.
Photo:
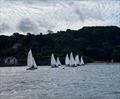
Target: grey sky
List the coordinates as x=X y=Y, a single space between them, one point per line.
x=37 y=16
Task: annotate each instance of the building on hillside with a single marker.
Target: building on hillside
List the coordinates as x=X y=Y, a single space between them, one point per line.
x=11 y=61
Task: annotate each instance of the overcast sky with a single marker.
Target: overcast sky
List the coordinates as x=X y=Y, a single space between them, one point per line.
x=38 y=16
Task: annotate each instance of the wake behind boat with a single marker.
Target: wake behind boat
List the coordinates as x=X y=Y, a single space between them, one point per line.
x=31 y=64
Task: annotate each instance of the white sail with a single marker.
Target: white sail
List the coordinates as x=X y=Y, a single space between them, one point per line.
x=30 y=61
x=53 y=61
x=67 y=60
x=82 y=62
x=34 y=63
x=77 y=61
x=72 y=61
x=58 y=61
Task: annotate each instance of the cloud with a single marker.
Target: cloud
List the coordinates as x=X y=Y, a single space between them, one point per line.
x=26 y=25
x=37 y=16
x=3 y=27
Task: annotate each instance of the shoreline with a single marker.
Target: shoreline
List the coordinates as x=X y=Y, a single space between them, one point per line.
x=95 y=63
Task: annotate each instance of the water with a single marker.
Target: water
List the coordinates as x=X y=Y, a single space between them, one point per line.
x=93 y=81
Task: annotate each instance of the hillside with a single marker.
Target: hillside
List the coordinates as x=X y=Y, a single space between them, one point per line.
x=94 y=43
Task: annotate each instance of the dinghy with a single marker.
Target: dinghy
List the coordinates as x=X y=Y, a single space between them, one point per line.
x=72 y=61
x=53 y=62
x=67 y=60
x=77 y=61
x=58 y=62
x=82 y=62
x=31 y=64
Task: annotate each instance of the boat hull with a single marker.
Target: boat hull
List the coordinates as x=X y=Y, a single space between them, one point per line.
x=67 y=65
x=78 y=65
x=31 y=68
x=73 y=65
x=54 y=66
x=82 y=65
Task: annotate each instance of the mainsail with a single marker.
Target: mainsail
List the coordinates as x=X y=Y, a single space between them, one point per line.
x=77 y=61
x=53 y=61
x=72 y=61
x=31 y=61
x=58 y=62
x=82 y=62
x=67 y=60
x=35 y=65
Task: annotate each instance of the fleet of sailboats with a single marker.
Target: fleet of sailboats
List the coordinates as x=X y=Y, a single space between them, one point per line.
x=73 y=62
x=31 y=64
x=69 y=61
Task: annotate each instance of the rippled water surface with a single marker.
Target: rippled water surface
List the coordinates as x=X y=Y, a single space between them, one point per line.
x=93 y=81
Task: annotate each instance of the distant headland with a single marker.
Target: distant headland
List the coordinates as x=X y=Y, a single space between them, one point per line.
x=98 y=43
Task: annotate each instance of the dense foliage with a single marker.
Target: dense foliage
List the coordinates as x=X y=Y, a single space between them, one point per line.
x=94 y=43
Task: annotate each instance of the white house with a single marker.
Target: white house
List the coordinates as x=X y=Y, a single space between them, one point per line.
x=11 y=61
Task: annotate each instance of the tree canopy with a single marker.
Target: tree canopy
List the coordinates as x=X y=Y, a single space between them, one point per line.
x=100 y=43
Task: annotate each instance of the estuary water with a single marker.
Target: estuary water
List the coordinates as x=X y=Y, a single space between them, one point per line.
x=92 y=81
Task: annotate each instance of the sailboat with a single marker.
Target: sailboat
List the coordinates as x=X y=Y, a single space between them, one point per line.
x=77 y=61
x=67 y=60
x=72 y=61
x=58 y=62
x=82 y=62
x=31 y=64
x=53 y=62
